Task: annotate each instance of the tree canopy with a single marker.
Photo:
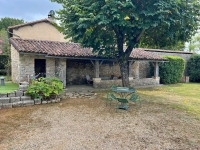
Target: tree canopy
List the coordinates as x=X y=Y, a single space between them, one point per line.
x=6 y=22
x=115 y=27
x=194 y=44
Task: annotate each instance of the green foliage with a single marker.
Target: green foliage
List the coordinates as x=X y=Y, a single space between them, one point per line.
x=193 y=68
x=3 y=61
x=171 y=72
x=178 y=46
x=194 y=45
x=114 y=27
x=44 y=87
x=5 y=42
x=103 y=25
x=6 y=22
x=6 y=51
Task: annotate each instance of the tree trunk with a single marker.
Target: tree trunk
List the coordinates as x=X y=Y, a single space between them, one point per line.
x=124 y=72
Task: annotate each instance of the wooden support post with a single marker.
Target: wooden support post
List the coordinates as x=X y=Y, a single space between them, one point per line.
x=96 y=69
x=156 y=69
x=130 y=69
x=137 y=70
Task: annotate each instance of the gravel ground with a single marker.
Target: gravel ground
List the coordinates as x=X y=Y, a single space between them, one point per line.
x=87 y=124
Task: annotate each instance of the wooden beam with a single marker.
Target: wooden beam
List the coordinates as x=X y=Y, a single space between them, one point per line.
x=156 y=69
x=96 y=69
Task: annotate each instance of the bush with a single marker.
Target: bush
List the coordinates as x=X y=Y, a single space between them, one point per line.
x=3 y=72
x=193 y=68
x=44 y=88
x=171 y=72
x=3 y=61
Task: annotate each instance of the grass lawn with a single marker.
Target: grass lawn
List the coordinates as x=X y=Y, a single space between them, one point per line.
x=8 y=87
x=184 y=96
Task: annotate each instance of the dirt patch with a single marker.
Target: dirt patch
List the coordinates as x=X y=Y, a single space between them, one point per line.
x=89 y=124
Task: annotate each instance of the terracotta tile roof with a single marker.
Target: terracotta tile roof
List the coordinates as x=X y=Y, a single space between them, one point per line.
x=139 y=53
x=53 y=48
x=166 y=51
x=29 y=23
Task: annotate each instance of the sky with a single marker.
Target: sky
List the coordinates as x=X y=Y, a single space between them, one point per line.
x=28 y=10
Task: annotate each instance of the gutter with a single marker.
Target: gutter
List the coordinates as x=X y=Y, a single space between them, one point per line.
x=24 y=53
x=79 y=58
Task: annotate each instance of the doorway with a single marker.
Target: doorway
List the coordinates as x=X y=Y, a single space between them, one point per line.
x=40 y=68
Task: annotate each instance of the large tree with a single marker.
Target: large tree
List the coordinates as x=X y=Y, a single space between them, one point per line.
x=114 y=28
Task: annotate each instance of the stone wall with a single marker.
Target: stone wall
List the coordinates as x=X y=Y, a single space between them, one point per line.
x=61 y=69
x=26 y=68
x=50 y=67
x=144 y=69
x=99 y=83
x=144 y=81
x=18 y=98
x=15 y=65
x=78 y=69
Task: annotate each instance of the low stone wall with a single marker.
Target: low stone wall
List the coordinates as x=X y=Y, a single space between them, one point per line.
x=99 y=83
x=18 y=98
x=144 y=81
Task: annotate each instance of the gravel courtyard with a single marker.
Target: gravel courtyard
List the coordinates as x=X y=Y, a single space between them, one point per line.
x=87 y=124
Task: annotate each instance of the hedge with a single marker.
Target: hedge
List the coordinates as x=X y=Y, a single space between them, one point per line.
x=193 y=68
x=171 y=72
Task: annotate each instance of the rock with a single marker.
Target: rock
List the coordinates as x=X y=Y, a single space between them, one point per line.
x=28 y=103
x=14 y=99
x=5 y=100
x=23 y=87
x=19 y=93
x=17 y=104
x=6 y=105
x=44 y=102
x=37 y=101
x=53 y=101
x=12 y=94
x=24 y=98
x=3 y=95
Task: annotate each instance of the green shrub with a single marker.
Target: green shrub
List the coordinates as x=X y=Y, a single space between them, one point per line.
x=171 y=72
x=45 y=87
x=3 y=61
x=2 y=72
x=193 y=68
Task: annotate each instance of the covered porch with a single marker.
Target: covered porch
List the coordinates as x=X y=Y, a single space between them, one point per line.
x=134 y=80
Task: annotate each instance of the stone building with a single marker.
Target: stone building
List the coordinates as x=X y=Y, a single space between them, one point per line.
x=38 y=48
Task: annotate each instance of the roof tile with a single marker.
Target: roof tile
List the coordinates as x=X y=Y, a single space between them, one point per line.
x=54 y=48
